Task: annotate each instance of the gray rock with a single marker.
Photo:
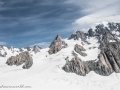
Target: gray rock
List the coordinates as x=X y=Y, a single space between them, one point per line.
x=78 y=35
x=74 y=54
x=28 y=48
x=109 y=62
x=109 y=57
x=57 y=45
x=76 y=65
x=36 y=49
x=23 y=57
x=79 y=49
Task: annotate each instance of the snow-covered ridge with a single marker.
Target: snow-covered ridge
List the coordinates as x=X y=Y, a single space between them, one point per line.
x=11 y=51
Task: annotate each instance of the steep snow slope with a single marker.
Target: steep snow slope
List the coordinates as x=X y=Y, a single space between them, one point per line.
x=47 y=74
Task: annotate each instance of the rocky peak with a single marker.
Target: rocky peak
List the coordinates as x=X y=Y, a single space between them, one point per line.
x=98 y=30
x=78 y=35
x=102 y=28
x=57 y=41
x=57 y=45
x=36 y=49
x=28 y=48
x=104 y=32
x=58 y=38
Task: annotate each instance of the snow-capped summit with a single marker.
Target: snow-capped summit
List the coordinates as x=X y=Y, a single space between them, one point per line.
x=101 y=28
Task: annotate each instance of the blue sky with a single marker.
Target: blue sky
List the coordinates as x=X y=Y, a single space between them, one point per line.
x=29 y=22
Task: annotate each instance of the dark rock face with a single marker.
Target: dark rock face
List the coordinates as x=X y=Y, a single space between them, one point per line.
x=36 y=49
x=57 y=45
x=109 y=58
x=76 y=65
x=109 y=62
x=105 y=34
x=79 y=49
x=106 y=38
x=78 y=35
x=100 y=29
x=23 y=57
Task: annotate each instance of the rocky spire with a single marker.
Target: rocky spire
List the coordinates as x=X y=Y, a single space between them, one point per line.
x=36 y=49
x=57 y=45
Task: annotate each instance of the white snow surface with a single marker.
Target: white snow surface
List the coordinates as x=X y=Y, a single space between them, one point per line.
x=47 y=74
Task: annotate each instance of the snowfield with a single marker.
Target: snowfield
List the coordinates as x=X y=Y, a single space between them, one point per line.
x=47 y=74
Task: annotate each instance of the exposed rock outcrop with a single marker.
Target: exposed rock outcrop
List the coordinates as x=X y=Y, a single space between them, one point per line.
x=57 y=45
x=23 y=57
x=28 y=48
x=79 y=49
x=76 y=65
x=109 y=62
x=78 y=35
x=36 y=49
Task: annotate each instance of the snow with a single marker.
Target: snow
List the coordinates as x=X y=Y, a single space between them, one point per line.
x=112 y=41
x=116 y=33
x=47 y=74
x=105 y=23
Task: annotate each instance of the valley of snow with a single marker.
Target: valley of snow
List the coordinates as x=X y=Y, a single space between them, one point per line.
x=47 y=73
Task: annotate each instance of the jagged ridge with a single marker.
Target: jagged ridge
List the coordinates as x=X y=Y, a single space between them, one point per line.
x=108 y=36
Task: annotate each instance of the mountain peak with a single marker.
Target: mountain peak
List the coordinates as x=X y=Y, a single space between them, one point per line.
x=58 y=37
x=57 y=45
x=36 y=49
x=78 y=35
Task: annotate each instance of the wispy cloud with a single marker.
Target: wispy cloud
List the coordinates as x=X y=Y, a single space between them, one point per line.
x=42 y=44
x=34 y=21
x=97 y=11
x=3 y=43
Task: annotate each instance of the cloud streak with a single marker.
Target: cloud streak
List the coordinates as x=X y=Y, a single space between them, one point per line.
x=3 y=43
x=42 y=44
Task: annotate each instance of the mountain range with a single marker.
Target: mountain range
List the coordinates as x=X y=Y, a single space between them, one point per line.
x=92 y=54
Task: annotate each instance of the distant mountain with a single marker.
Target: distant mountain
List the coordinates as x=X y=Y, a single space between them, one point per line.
x=11 y=51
